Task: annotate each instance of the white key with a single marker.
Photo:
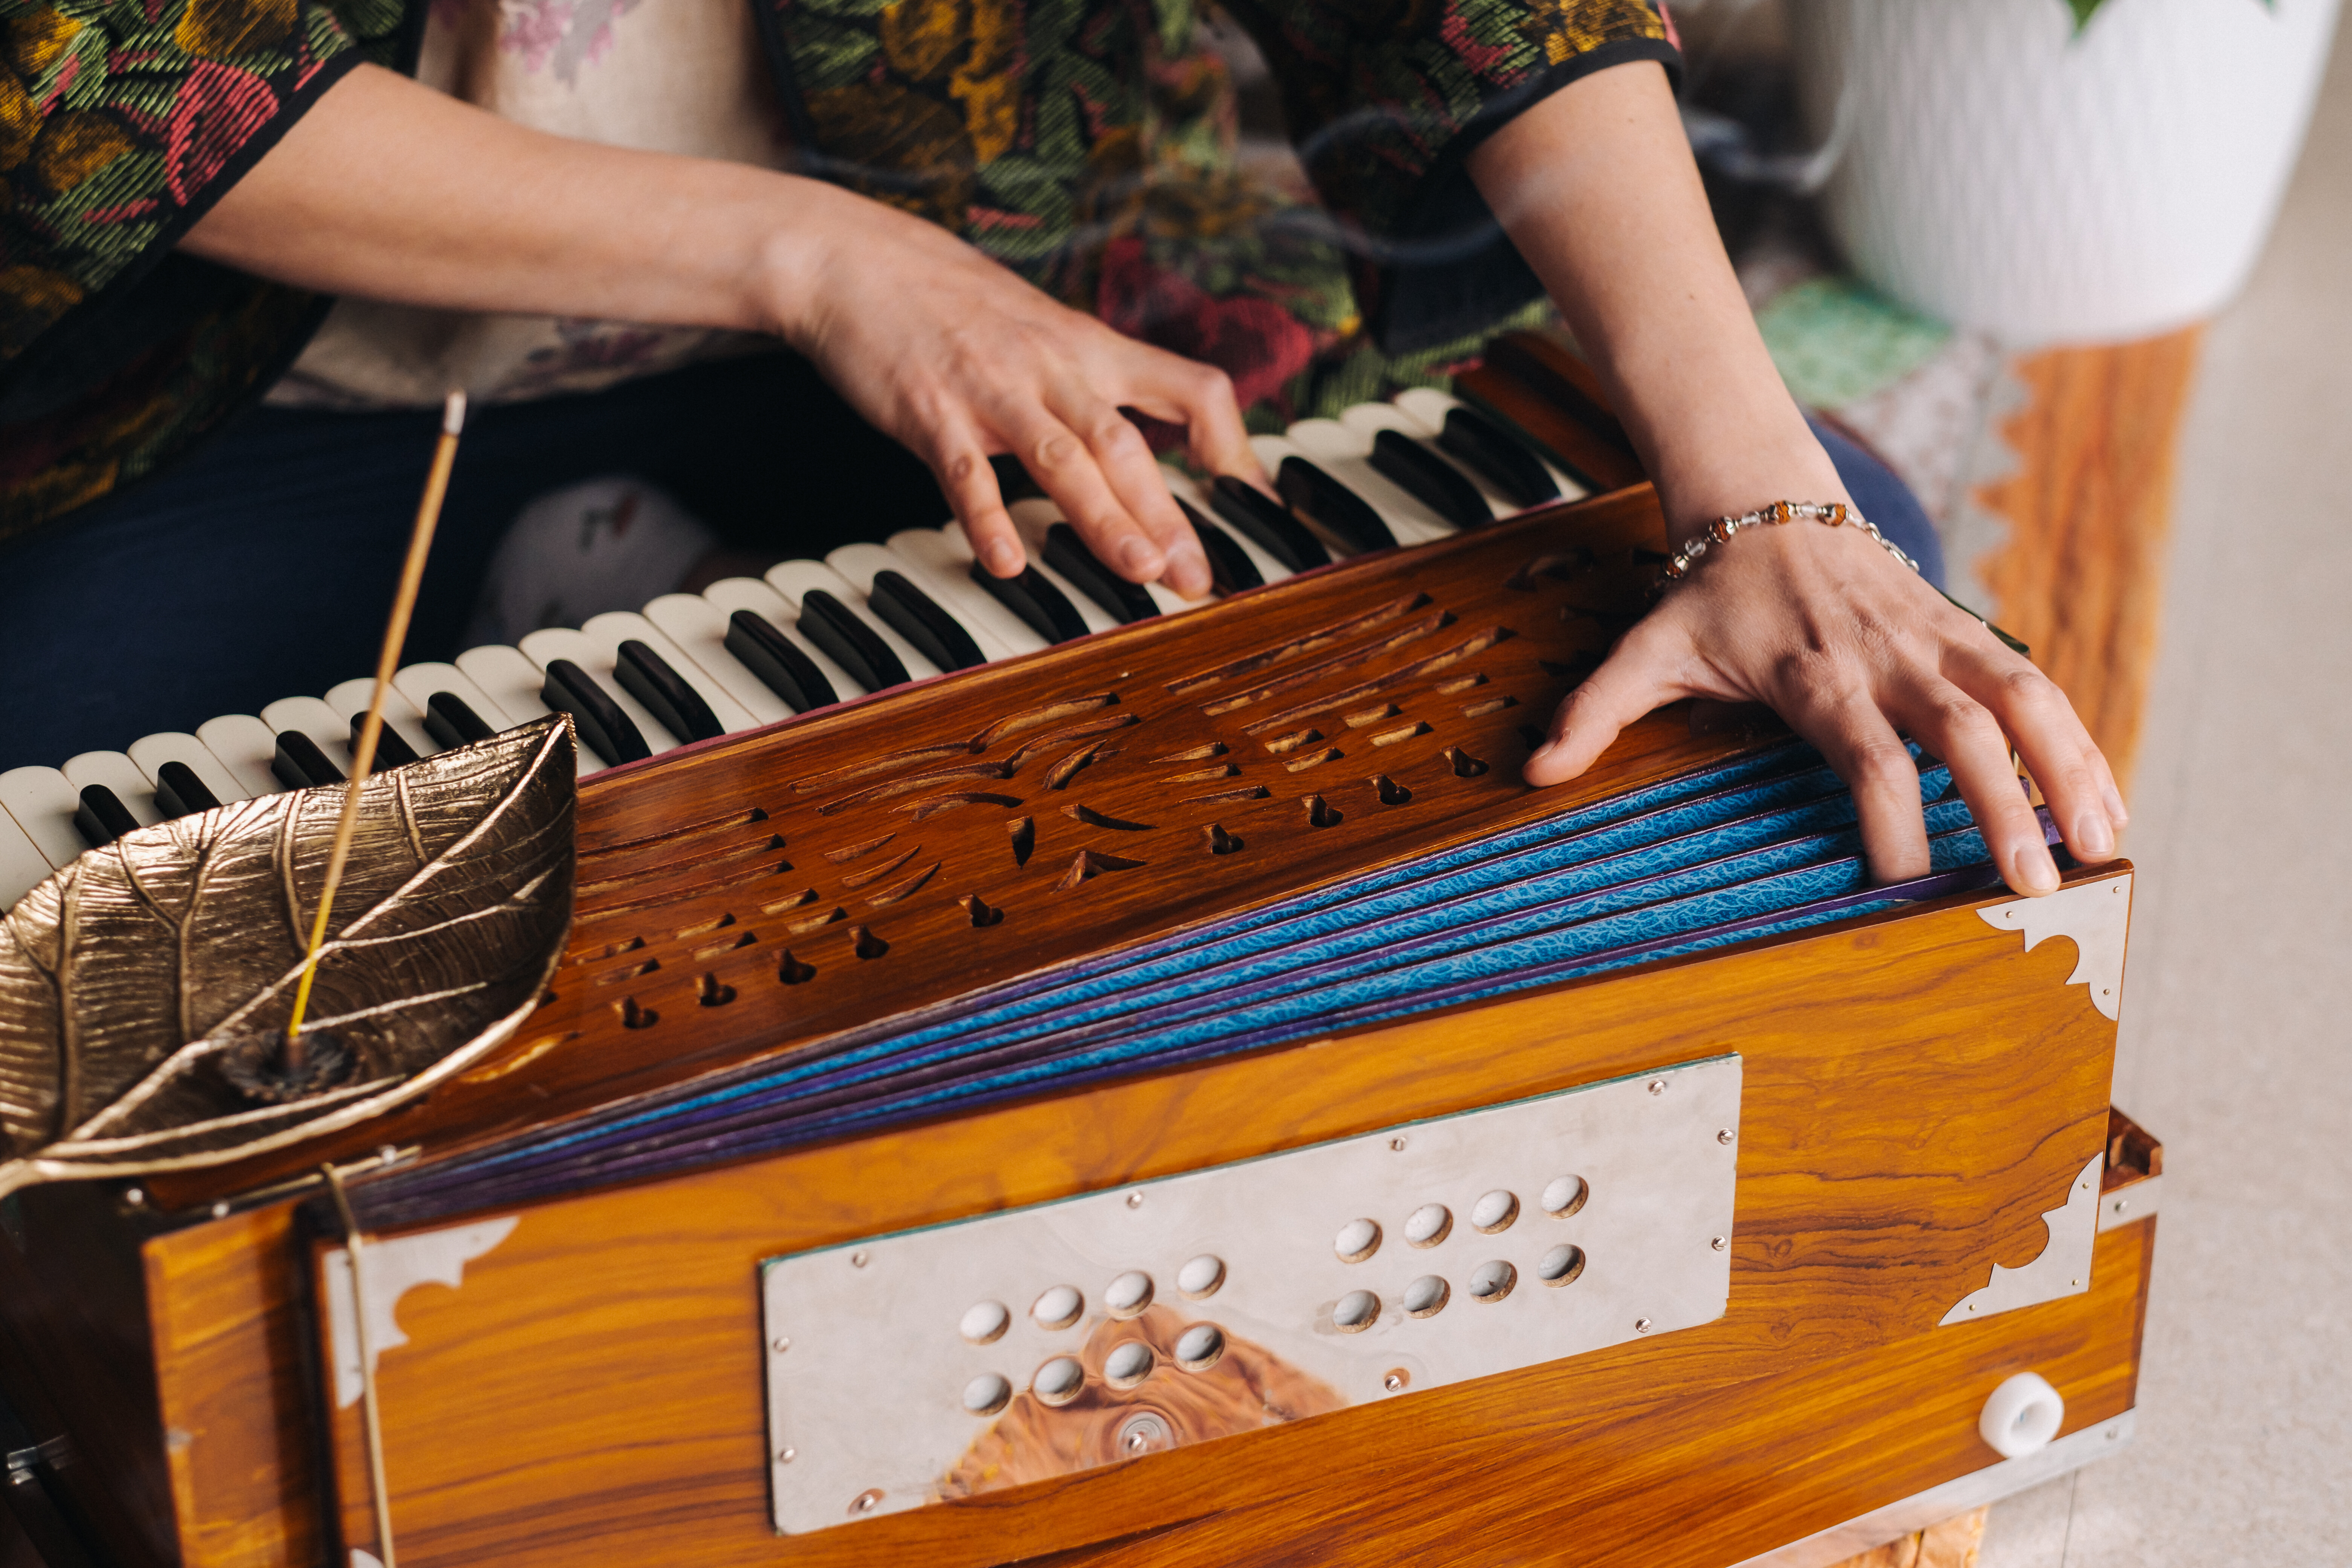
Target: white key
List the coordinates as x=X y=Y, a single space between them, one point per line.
x=859 y=563
x=118 y=772
x=544 y=646
x=152 y=751
x=351 y=699
x=43 y=804
x=1431 y=406
x=420 y=683
x=610 y=630
x=1369 y=419
x=1185 y=489
x=699 y=627
x=732 y=593
x=795 y=578
x=316 y=720
x=23 y=867
x=1347 y=457
x=512 y=683
x=1032 y=518
x=940 y=560
x=246 y=746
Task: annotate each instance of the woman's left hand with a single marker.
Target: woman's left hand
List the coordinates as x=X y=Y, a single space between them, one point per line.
x=1848 y=644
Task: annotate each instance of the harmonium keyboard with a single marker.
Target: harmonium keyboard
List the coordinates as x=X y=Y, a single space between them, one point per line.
x=1041 y=1072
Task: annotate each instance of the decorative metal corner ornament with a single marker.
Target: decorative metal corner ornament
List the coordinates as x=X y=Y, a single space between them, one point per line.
x=141 y=986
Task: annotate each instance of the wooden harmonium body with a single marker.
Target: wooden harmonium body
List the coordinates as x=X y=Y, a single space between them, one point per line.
x=1180 y=1098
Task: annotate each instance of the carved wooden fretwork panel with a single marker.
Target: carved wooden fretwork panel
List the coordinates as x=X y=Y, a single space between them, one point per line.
x=852 y=864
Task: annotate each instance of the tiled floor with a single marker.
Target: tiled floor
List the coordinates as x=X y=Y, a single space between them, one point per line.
x=2238 y=1010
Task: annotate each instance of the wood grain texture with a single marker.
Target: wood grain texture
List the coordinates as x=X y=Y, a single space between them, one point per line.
x=2089 y=508
x=769 y=889
x=1918 y=1090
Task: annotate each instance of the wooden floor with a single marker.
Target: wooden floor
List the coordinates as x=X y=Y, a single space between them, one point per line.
x=2089 y=509
x=1952 y=1544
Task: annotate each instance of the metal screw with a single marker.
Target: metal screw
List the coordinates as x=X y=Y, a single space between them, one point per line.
x=858 y=1261
x=866 y=1502
x=1720 y=1243
x=786 y=1456
x=220 y=1209
x=780 y=1344
x=2123 y=1205
x=386 y=1153
x=1725 y=1135
x=1397 y=1144
x=1396 y=1380
x=1135 y=1442
x=136 y=1198
x=1641 y=1325
x=2078 y=1284
x=1135 y=1200
x=1657 y=1086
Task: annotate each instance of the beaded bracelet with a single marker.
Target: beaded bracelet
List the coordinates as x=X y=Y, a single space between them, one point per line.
x=1830 y=514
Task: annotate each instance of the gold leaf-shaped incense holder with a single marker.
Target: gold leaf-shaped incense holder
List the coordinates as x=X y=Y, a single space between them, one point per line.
x=136 y=984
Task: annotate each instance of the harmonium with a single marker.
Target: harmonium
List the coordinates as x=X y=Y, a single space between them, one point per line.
x=877 y=1066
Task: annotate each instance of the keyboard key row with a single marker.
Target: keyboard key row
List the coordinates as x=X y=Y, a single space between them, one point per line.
x=748 y=652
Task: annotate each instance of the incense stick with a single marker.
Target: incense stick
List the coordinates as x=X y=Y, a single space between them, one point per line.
x=395 y=635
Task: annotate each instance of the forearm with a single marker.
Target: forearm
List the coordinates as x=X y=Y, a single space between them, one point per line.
x=1596 y=188
x=388 y=190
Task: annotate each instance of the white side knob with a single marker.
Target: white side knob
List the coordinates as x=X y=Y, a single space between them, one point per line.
x=2021 y=1416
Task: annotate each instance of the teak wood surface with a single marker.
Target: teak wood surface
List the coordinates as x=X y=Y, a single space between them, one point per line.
x=1918 y=1091
x=2089 y=509
x=772 y=887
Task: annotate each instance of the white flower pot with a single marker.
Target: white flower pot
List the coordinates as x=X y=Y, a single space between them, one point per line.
x=1999 y=172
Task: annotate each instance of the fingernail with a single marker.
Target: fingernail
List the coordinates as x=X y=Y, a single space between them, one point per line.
x=2116 y=812
x=2093 y=832
x=2033 y=872
x=1001 y=557
x=1141 y=563
x=1188 y=570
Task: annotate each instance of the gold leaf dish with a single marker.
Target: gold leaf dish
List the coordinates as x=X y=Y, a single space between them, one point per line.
x=134 y=981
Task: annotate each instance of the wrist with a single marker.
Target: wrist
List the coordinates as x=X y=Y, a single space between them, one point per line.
x=790 y=254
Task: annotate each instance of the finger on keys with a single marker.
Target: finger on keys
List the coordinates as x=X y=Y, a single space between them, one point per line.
x=1198 y=497
x=941 y=559
x=1166 y=551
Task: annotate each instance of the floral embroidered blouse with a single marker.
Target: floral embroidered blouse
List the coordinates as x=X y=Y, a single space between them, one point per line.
x=1087 y=143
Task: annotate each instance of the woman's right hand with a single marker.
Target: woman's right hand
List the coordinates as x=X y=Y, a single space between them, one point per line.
x=960 y=360
x=389 y=190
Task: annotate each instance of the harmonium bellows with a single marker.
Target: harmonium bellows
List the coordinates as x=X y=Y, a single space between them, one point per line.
x=1172 y=1098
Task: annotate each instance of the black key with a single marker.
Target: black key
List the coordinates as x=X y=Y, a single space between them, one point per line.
x=917 y=617
x=1436 y=483
x=850 y=642
x=301 y=764
x=392 y=748
x=605 y=728
x=1046 y=608
x=448 y=720
x=778 y=663
x=101 y=818
x=676 y=706
x=1501 y=457
x=180 y=793
x=1229 y=568
x=1268 y=522
x=1121 y=600
x=1331 y=508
